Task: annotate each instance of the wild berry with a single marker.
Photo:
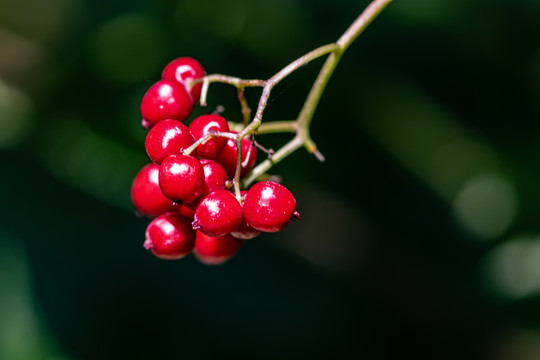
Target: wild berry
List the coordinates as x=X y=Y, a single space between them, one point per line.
x=181 y=178
x=215 y=250
x=167 y=137
x=215 y=178
x=269 y=206
x=187 y=211
x=203 y=125
x=182 y=70
x=170 y=236
x=244 y=231
x=218 y=214
x=166 y=99
x=146 y=194
x=229 y=154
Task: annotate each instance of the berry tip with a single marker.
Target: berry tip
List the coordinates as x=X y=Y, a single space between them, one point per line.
x=148 y=244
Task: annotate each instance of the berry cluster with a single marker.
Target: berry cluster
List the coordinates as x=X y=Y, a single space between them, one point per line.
x=186 y=187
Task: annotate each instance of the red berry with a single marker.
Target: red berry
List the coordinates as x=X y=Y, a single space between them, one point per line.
x=269 y=206
x=228 y=157
x=146 y=195
x=182 y=70
x=201 y=126
x=215 y=250
x=170 y=236
x=218 y=214
x=187 y=211
x=215 y=178
x=166 y=99
x=244 y=231
x=181 y=177
x=167 y=137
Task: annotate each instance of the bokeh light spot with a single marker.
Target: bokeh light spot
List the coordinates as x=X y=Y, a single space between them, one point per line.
x=512 y=269
x=486 y=206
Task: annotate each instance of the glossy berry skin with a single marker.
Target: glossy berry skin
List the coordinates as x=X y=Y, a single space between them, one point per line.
x=167 y=137
x=146 y=194
x=244 y=231
x=228 y=157
x=269 y=206
x=183 y=69
x=201 y=126
x=215 y=178
x=218 y=214
x=170 y=236
x=215 y=250
x=181 y=178
x=187 y=211
x=166 y=99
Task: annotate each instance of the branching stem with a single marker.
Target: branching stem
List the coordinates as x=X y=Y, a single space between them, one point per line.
x=301 y=125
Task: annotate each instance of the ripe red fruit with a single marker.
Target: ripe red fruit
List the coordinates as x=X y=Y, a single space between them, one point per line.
x=269 y=206
x=215 y=250
x=167 y=137
x=244 y=231
x=201 y=126
x=218 y=214
x=146 y=194
x=181 y=177
x=187 y=211
x=182 y=70
x=170 y=236
x=166 y=99
x=215 y=178
x=228 y=157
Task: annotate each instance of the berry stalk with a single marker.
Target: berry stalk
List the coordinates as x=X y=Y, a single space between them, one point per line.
x=301 y=125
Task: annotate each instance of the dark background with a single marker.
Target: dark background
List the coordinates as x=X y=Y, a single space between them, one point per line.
x=418 y=236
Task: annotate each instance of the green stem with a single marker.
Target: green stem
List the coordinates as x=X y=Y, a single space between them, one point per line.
x=273 y=127
x=279 y=155
x=302 y=124
x=238 y=82
x=314 y=96
x=361 y=23
x=287 y=70
x=210 y=135
x=236 y=180
x=246 y=111
x=356 y=28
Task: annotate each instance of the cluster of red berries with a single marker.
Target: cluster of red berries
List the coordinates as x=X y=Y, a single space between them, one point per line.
x=188 y=196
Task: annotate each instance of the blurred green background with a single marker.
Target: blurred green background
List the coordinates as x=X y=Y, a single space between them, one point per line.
x=419 y=236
